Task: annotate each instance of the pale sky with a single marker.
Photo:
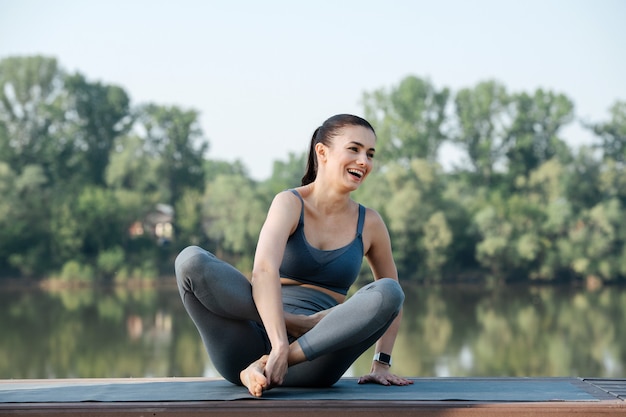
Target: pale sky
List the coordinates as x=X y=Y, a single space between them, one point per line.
x=265 y=74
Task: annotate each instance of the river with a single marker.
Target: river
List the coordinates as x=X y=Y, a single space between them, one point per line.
x=446 y=331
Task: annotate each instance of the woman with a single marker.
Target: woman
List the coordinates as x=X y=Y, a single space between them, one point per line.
x=291 y=324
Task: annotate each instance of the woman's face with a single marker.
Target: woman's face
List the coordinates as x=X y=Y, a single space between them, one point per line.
x=349 y=156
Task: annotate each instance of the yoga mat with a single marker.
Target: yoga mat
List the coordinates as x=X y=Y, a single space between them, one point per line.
x=347 y=389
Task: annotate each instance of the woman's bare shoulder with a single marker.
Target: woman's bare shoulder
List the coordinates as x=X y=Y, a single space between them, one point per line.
x=286 y=197
x=281 y=220
x=373 y=218
x=374 y=229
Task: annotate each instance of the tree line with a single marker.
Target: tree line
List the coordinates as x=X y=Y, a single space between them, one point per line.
x=84 y=173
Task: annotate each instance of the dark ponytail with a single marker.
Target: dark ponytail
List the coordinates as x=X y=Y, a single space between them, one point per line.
x=311 y=162
x=323 y=134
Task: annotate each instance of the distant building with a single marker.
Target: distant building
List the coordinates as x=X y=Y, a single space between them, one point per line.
x=157 y=224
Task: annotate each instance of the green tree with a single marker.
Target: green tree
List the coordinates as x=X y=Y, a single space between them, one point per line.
x=533 y=137
x=612 y=134
x=484 y=117
x=597 y=242
x=103 y=224
x=232 y=216
x=189 y=219
x=581 y=180
x=24 y=216
x=409 y=120
x=131 y=167
x=62 y=122
x=410 y=201
x=437 y=239
x=214 y=168
x=286 y=174
x=174 y=138
x=31 y=113
x=518 y=233
x=66 y=232
x=612 y=180
x=102 y=112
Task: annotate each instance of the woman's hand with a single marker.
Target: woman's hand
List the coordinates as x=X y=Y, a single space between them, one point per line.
x=276 y=367
x=380 y=375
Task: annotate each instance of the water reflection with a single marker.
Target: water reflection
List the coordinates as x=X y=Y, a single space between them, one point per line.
x=446 y=331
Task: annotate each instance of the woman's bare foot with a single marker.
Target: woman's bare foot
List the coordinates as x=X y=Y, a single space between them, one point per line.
x=299 y=324
x=253 y=376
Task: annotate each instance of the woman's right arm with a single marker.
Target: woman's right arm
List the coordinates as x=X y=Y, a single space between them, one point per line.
x=281 y=221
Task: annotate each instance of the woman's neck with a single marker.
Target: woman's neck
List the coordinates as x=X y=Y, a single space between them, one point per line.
x=326 y=198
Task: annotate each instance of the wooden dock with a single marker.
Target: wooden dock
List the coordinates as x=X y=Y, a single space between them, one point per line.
x=582 y=397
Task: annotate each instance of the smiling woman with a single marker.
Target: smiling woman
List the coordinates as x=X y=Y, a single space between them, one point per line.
x=359 y=131
x=294 y=313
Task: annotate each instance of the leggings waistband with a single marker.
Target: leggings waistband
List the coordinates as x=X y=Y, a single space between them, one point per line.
x=303 y=300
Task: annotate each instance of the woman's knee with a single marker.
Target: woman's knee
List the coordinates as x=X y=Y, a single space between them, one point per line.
x=393 y=296
x=189 y=261
x=188 y=253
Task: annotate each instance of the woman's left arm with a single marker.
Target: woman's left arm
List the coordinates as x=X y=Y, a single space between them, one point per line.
x=382 y=264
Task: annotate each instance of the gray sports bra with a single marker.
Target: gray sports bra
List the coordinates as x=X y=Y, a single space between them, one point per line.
x=335 y=269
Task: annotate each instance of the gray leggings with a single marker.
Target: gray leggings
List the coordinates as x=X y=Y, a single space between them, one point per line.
x=219 y=300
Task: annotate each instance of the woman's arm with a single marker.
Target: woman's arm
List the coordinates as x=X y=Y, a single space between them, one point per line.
x=282 y=219
x=382 y=264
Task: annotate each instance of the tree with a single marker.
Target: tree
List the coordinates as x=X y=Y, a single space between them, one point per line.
x=612 y=181
x=533 y=136
x=484 y=117
x=581 y=180
x=131 y=167
x=411 y=202
x=174 y=138
x=436 y=242
x=24 y=217
x=103 y=225
x=214 y=168
x=597 y=242
x=409 y=120
x=232 y=216
x=62 y=122
x=286 y=174
x=612 y=134
x=189 y=219
x=31 y=114
x=102 y=114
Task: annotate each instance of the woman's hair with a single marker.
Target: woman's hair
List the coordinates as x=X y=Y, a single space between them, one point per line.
x=324 y=134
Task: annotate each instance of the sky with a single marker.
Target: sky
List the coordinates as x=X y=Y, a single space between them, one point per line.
x=264 y=74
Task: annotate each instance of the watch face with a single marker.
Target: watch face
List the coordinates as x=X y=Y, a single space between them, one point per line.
x=383 y=358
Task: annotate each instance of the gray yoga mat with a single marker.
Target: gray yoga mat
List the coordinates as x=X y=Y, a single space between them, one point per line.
x=347 y=389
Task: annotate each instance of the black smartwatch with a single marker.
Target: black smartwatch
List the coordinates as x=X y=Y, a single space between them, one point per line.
x=383 y=358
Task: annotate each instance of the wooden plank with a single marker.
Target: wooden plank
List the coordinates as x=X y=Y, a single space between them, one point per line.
x=315 y=409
